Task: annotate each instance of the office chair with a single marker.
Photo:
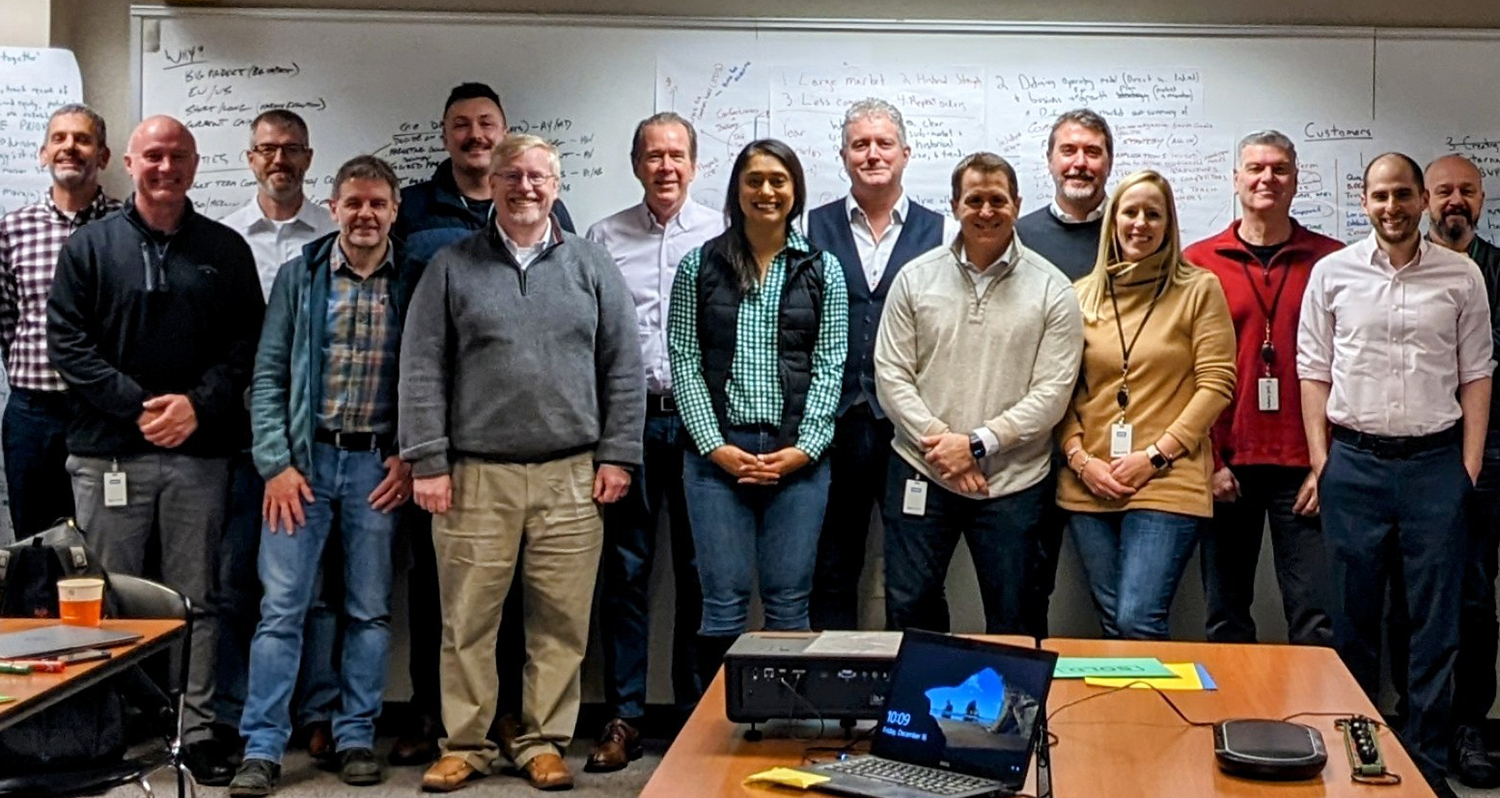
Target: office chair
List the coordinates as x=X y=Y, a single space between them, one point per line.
x=134 y=598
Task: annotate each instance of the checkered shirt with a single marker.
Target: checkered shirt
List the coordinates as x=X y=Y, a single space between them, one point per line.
x=31 y=238
x=361 y=347
x=754 y=389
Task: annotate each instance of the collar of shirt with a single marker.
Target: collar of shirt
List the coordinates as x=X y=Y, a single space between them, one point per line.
x=308 y=216
x=1378 y=257
x=338 y=261
x=856 y=213
x=96 y=208
x=1057 y=211
x=525 y=255
x=679 y=221
x=995 y=269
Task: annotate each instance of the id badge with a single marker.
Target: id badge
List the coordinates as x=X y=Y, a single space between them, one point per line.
x=914 y=500
x=1268 y=389
x=115 y=493
x=1121 y=439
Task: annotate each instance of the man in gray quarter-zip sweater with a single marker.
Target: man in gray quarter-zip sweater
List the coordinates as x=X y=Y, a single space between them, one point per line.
x=522 y=409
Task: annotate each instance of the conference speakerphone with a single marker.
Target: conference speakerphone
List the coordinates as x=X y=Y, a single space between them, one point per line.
x=825 y=675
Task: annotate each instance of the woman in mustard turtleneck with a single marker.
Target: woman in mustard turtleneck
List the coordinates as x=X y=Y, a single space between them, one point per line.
x=1158 y=368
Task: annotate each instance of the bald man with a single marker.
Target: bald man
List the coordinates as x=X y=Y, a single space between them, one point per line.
x=1455 y=204
x=153 y=321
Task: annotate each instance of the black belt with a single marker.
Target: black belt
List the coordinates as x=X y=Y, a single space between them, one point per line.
x=1398 y=447
x=356 y=441
x=660 y=404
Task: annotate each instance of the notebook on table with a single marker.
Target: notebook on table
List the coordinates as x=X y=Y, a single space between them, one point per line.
x=962 y=720
x=45 y=641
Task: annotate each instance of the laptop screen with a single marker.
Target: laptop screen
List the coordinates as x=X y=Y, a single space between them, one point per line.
x=965 y=705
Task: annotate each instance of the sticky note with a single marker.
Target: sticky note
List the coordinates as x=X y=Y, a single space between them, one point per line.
x=1121 y=667
x=787 y=777
x=1184 y=677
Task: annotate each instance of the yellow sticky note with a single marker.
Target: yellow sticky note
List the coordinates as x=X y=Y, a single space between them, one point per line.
x=1185 y=678
x=787 y=777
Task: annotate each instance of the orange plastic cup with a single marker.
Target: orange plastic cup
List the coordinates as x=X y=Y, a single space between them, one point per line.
x=80 y=602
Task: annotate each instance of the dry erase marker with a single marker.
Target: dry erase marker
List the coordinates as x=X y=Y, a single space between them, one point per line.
x=41 y=665
x=11 y=667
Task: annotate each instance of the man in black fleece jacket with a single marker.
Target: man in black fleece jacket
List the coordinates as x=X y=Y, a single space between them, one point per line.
x=153 y=321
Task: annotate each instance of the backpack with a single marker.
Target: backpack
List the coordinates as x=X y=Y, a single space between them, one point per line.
x=84 y=731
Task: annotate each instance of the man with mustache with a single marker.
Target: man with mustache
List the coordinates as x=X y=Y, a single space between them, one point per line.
x=1394 y=352
x=522 y=409
x=1263 y=262
x=441 y=211
x=647 y=241
x=1080 y=154
x=1455 y=201
x=277 y=223
x=152 y=322
x=873 y=231
x=35 y=426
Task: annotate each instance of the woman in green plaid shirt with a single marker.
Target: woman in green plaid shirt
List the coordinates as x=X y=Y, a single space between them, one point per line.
x=757 y=332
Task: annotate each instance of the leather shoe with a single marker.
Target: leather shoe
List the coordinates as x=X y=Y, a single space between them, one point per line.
x=549 y=772
x=208 y=762
x=416 y=747
x=448 y=774
x=320 y=739
x=617 y=747
x=1470 y=762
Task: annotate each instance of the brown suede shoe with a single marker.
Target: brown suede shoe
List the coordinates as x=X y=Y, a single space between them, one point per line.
x=320 y=739
x=618 y=746
x=448 y=774
x=549 y=772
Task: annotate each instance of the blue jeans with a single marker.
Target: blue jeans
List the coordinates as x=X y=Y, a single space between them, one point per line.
x=317 y=692
x=1134 y=560
x=34 y=433
x=288 y=569
x=919 y=549
x=741 y=529
x=629 y=553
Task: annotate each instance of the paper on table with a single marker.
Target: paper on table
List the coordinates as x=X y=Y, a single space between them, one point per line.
x=1184 y=677
x=1131 y=667
x=787 y=777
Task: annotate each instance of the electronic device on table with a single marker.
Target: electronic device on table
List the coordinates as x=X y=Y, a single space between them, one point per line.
x=962 y=720
x=825 y=675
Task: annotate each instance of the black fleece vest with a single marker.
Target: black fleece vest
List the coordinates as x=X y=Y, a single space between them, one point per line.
x=798 y=318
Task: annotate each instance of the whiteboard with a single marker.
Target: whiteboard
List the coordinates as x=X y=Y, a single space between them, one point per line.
x=1178 y=97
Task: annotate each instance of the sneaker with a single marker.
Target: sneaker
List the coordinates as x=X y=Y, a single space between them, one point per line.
x=359 y=767
x=255 y=778
x=1469 y=761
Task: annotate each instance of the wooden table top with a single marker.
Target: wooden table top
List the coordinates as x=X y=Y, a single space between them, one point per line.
x=36 y=691
x=1133 y=742
x=1122 y=745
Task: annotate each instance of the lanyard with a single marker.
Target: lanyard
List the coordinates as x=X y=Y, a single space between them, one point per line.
x=1267 y=349
x=1122 y=396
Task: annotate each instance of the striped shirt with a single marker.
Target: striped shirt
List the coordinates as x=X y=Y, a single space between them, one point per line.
x=754 y=389
x=31 y=238
x=361 y=348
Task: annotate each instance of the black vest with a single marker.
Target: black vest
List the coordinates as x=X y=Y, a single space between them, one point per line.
x=828 y=230
x=798 y=319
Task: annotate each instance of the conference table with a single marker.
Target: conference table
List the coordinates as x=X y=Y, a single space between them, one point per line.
x=1124 y=744
x=36 y=691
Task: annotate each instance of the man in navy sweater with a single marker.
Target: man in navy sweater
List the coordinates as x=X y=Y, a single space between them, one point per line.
x=1080 y=152
x=874 y=231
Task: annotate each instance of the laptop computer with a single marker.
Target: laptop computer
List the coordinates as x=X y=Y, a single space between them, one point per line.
x=45 y=641
x=961 y=720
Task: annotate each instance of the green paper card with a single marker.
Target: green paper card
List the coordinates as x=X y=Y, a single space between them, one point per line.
x=1112 y=667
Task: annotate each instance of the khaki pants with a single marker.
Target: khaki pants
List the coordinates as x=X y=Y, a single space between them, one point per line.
x=499 y=510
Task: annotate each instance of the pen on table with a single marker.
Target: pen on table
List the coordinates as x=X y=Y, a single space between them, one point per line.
x=39 y=665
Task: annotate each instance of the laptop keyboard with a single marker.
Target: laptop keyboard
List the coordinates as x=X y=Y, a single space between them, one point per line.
x=938 y=782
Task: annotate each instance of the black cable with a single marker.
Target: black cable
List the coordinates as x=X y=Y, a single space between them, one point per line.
x=792 y=713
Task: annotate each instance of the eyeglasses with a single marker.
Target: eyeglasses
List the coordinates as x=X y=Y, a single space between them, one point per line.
x=513 y=178
x=268 y=151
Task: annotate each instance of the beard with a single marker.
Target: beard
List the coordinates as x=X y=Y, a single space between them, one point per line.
x=1454 y=226
x=1078 y=193
x=70 y=177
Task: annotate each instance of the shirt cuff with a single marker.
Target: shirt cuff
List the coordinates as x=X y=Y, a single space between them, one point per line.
x=991 y=440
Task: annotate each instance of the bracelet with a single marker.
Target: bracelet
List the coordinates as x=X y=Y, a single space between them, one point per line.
x=1087 y=458
x=1068 y=456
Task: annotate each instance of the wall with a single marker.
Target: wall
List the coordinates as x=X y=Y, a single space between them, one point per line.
x=28 y=23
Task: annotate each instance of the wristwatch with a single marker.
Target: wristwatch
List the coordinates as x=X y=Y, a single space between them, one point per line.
x=977 y=447
x=1159 y=461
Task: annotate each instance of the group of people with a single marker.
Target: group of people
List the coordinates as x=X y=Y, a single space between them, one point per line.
x=262 y=409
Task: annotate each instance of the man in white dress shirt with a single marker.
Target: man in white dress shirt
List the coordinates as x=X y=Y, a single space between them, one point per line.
x=1394 y=357
x=647 y=241
x=277 y=223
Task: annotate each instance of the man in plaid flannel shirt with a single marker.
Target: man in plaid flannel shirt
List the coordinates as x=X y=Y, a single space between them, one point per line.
x=35 y=425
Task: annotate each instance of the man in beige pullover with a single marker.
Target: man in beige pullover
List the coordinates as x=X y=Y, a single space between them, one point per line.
x=975 y=360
